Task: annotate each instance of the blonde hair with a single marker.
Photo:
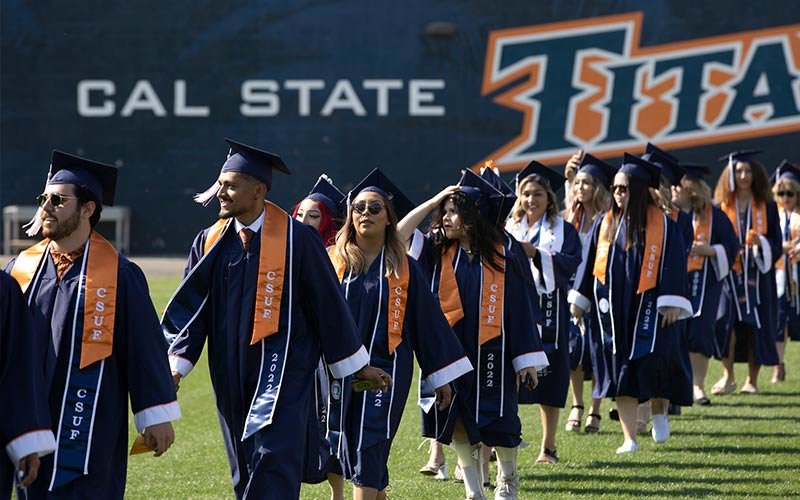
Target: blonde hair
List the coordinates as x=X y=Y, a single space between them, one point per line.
x=699 y=194
x=791 y=185
x=347 y=250
x=517 y=211
x=663 y=196
x=600 y=203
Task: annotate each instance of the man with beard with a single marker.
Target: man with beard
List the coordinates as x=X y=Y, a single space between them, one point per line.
x=105 y=343
x=261 y=288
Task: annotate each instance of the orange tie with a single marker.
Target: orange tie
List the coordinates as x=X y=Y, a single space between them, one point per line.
x=246 y=234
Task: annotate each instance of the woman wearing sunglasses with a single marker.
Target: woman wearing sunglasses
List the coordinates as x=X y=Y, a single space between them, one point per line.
x=590 y=200
x=714 y=247
x=634 y=281
x=553 y=249
x=481 y=287
x=398 y=317
x=787 y=272
x=747 y=331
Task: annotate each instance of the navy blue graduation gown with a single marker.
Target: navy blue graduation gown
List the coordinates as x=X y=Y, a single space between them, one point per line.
x=706 y=285
x=788 y=284
x=271 y=459
x=487 y=398
x=686 y=228
x=25 y=426
x=754 y=330
x=559 y=254
x=659 y=372
x=137 y=369
x=372 y=419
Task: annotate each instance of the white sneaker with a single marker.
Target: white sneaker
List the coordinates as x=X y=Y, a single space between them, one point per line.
x=476 y=496
x=507 y=487
x=660 y=429
x=628 y=446
x=443 y=473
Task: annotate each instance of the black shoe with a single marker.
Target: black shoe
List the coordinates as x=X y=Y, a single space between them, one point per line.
x=613 y=414
x=674 y=410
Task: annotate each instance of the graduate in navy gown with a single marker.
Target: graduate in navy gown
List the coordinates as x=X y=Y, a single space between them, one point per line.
x=671 y=175
x=105 y=346
x=747 y=331
x=590 y=201
x=25 y=426
x=465 y=254
x=714 y=248
x=787 y=270
x=636 y=286
x=260 y=288
x=322 y=209
x=553 y=249
x=398 y=318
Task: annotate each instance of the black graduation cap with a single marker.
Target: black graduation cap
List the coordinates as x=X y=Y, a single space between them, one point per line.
x=670 y=168
x=787 y=170
x=598 y=169
x=641 y=169
x=492 y=203
x=741 y=155
x=99 y=178
x=325 y=192
x=555 y=179
x=248 y=160
x=377 y=182
x=509 y=195
x=696 y=170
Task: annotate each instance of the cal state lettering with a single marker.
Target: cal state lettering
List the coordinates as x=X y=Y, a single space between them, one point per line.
x=589 y=84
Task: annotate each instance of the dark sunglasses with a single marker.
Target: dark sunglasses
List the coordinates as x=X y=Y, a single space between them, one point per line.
x=788 y=194
x=621 y=188
x=373 y=207
x=57 y=200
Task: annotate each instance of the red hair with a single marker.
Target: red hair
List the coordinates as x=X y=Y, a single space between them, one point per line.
x=327 y=225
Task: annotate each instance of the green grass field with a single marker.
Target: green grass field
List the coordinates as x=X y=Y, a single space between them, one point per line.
x=741 y=446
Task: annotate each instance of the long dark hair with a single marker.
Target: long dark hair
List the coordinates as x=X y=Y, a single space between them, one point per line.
x=483 y=236
x=635 y=214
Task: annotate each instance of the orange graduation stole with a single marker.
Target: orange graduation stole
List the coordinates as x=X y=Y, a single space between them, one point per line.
x=653 y=249
x=702 y=236
x=398 y=298
x=449 y=297
x=492 y=298
x=271 y=268
x=100 y=293
x=577 y=218
x=758 y=226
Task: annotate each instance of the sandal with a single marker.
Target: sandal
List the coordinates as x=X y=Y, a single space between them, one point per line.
x=458 y=476
x=723 y=387
x=574 y=423
x=594 y=426
x=779 y=374
x=547 y=457
x=748 y=388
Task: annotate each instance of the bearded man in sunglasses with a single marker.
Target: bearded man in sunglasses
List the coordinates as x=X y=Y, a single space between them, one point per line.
x=101 y=341
x=260 y=287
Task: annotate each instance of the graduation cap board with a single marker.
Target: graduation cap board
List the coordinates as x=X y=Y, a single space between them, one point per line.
x=492 y=203
x=786 y=170
x=555 y=179
x=509 y=195
x=99 y=178
x=670 y=168
x=598 y=169
x=696 y=171
x=325 y=192
x=248 y=160
x=377 y=182
x=641 y=169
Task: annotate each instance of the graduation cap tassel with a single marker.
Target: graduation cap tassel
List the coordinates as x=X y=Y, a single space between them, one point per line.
x=731 y=183
x=34 y=225
x=206 y=196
